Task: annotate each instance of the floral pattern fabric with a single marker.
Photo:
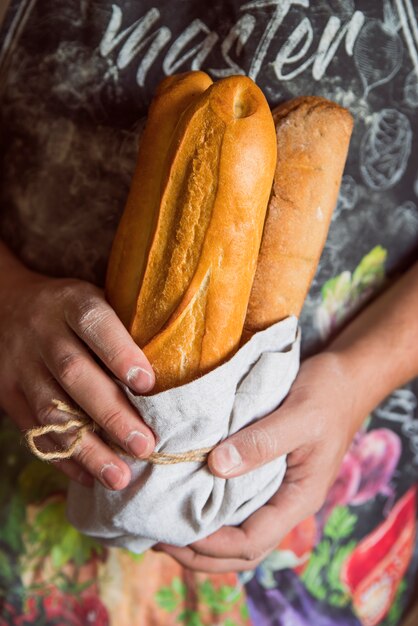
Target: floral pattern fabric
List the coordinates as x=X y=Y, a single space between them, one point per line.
x=76 y=78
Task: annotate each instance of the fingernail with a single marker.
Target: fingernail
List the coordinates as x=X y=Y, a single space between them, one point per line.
x=111 y=475
x=137 y=443
x=139 y=379
x=226 y=459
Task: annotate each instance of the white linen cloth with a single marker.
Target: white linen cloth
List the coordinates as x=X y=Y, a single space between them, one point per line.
x=181 y=503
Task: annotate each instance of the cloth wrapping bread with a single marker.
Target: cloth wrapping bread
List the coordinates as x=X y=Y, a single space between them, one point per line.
x=181 y=503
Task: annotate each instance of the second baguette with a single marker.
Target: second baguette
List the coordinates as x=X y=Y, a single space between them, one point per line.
x=313 y=136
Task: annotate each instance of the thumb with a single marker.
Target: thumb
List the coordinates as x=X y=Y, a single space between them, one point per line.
x=277 y=434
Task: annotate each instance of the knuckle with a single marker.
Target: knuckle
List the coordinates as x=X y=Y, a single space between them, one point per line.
x=84 y=453
x=111 y=420
x=95 y=323
x=90 y=316
x=115 y=354
x=251 y=552
x=45 y=414
x=70 y=368
x=258 y=445
x=81 y=301
x=318 y=426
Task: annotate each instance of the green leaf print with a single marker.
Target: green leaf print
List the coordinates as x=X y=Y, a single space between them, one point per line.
x=322 y=577
x=33 y=526
x=344 y=294
x=12 y=518
x=38 y=481
x=51 y=534
x=244 y=612
x=14 y=455
x=167 y=599
x=340 y=523
x=337 y=290
x=189 y=618
x=171 y=598
x=7 y=571
x=219 y=601
x=179 y=587
x=339 y=592
x=370 y=270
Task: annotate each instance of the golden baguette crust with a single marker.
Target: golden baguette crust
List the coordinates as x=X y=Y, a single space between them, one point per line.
x=175 y=352
x=202 y=260
x=313 y=136
x=128 y=256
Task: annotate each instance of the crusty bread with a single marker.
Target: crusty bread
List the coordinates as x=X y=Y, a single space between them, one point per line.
x=313 y=135
x=129 y=251
x=200 y=265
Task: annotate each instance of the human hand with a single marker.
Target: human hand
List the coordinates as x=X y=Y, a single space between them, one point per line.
x=331 y=396
x=55 y=337
x=314 y=427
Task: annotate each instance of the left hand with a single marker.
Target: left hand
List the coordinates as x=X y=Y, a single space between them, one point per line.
x=314 y=426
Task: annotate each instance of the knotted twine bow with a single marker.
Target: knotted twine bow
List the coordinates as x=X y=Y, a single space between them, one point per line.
x=82 y=423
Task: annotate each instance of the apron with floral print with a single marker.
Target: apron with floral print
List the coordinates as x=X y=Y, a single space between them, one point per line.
x=76 y=78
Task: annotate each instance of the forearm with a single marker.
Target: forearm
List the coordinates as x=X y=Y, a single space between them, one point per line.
x=379 y=348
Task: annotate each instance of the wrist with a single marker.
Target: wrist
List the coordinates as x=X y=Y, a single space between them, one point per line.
x=328 y=389
x=378 y=348
x=362 y=392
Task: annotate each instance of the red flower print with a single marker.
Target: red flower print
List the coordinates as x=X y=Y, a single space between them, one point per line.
x=379 y=562
x=58 y=606
x=301 y=541
x=92 y=612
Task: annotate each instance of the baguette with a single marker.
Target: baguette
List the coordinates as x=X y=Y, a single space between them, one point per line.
x=313 y=136
x=200 y=266
x=128 y=255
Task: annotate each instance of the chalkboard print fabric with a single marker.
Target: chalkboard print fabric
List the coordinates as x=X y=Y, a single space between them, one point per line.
x=76 y=78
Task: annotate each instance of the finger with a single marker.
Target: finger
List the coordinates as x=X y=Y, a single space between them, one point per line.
x=279 y=433
x=264 y=530
x=97 y=324
x=92 y=454
x=198 y=563
x=20 y=413
x=98 y=396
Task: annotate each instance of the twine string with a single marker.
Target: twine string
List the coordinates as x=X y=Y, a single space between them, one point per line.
x=80 y=422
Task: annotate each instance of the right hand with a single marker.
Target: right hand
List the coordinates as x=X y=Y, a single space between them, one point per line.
x=51 y=331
